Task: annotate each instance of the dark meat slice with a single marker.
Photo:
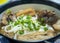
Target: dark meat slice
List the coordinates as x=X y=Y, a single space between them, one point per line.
x=49 y=16
x=42 y=13
x=52 y=20
x=12 y=17
x=50 y=13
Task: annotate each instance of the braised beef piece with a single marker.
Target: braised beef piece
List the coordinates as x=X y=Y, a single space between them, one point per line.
x=48 y=16
x=11 y=17
x=1 y=24
x=7 y=18
x=52 y=20
x=4 y=19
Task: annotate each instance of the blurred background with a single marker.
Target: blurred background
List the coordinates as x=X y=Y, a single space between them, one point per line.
x=3 y=2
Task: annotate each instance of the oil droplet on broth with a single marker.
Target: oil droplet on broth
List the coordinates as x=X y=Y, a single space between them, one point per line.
x=3 y=2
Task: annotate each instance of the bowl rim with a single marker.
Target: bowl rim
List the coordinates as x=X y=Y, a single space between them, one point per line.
x=46 y=2
x=12 y=4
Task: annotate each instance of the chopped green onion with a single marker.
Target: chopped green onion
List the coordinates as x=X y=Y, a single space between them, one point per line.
x=21 y=31
x=30 y=26
x=8 y=11
x=45 y=28
x=21 y=16
x=9 y=28
x=16 y=22
x=43 y=24
x=42 y=19
x=10 y=22
x=29 y=17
